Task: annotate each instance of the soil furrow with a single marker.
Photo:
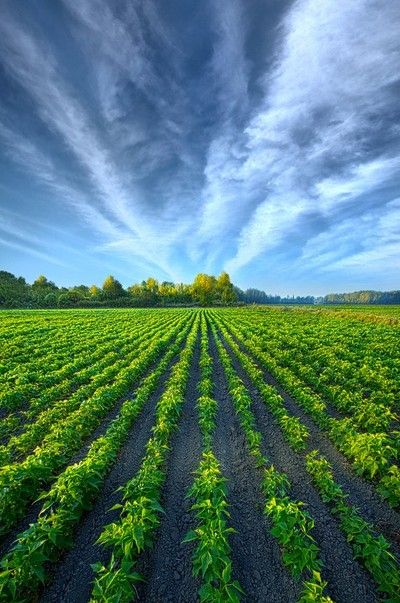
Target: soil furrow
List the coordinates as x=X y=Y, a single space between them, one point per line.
x=167 y=567
x=256 y=558
x=348 y=581
x=33 y=510
x=361 y=493
x=72 y=576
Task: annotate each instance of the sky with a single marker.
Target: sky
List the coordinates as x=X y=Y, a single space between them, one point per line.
x=171 y=137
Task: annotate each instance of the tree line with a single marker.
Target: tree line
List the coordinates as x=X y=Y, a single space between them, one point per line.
x=363 y=297
x=255 y=296
x=205 y=290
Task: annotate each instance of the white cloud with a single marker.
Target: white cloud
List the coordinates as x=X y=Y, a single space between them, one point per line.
x=30 y=250
x=312 y=149
x=221 y=204
x=35 y=69
x=324 y=102
x=369 y=243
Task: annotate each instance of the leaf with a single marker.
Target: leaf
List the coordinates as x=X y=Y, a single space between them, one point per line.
x=190 y=536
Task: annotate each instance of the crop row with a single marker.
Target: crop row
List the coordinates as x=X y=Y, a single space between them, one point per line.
x=292 y=525
x=212 y=553
x=372 y=454
x=378 y=559
x=51 y=412
x=140 y=509
x=21 y=482
x=355 y=382
x=51 y=349
x=34 y=383
x=355 y=358
x=23 y=568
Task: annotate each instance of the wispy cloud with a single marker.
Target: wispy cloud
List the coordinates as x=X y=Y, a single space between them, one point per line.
x=323 y=134
x=176 y=145
x=31 y=251
x=35 y=69
x=377 y=243
x=221 y=207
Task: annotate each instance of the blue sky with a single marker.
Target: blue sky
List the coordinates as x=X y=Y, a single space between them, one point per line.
x=167 y=138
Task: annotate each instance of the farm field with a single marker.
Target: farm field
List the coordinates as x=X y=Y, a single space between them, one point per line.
x=231 y=454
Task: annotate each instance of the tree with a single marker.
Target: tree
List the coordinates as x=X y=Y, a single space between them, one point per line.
x=41 y=287
x=41 y=283
x=152 y=284
x=95 y=292
x=51 y=299
x=112 y=288
x=203 y=288
x=224 y=288
x=14 y=292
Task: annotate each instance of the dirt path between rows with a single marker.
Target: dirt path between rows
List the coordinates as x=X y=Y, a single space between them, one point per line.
x=167 y=568
x=361 y=493
x=348 y=581
x=72 y=576
x=33 y=510
x=256 y=558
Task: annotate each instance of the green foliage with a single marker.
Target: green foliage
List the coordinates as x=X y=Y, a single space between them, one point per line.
x=140 y=509
x=371 y=548
x=205 y=290
x=292 y=525
x=211 y=557
x=112 y=288
x=55 y=395
x=389 y=486
x=313 y=590
x=74 y=491
x=303 y=355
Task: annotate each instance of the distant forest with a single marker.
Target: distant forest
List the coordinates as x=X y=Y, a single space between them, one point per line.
x=206 y=290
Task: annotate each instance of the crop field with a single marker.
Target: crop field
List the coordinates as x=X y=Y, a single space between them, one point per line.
x=186 y=454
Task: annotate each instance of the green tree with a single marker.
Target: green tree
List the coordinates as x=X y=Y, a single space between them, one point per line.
x=14 y=292
x=95 y=292
x=224 y=288
x=112 y=288
x=203 y=288
x=41 y=287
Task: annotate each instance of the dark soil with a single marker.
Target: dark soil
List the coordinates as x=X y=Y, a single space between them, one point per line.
x=71 y=578
x=167 y=568
x=256 y=557
x=361 y=493
x=33 y=510
x=348 y=581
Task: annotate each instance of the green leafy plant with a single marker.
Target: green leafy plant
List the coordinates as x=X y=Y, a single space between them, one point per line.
x=372 y=548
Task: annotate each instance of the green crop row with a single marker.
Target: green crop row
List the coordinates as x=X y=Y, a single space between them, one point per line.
x=20 y=483
x=140 y=508
x=368 y=403
x=212 y=554
x=55 y=385
x=29 y=379
x=371 y=454
x=293 y=430
x=292 y=525
x=49 y=418
x=370 y=547
x=23 y=568
x=368 y=534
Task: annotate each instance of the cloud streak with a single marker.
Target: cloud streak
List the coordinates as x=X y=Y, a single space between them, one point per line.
x=36 y=70
x=175 y=143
